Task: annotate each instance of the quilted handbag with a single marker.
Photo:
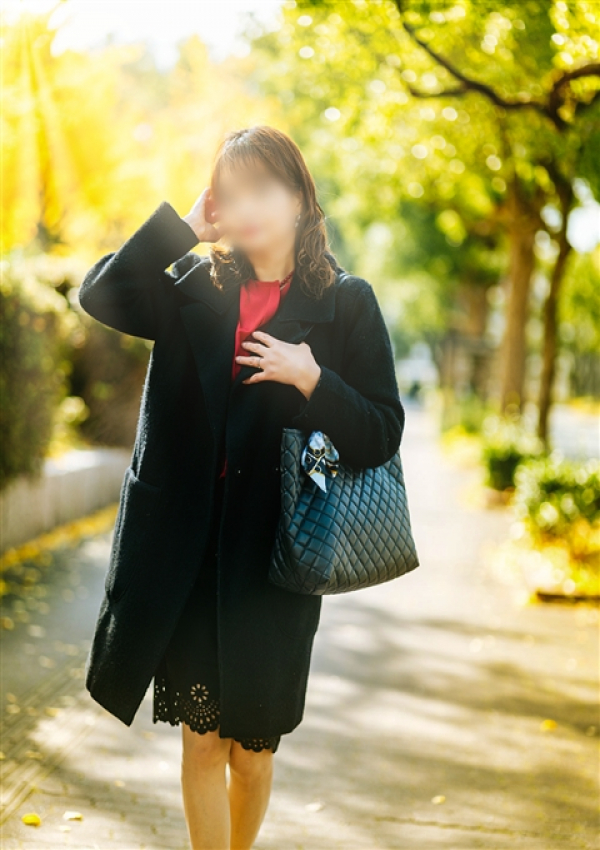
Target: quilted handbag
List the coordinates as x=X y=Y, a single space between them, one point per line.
x=353 y=534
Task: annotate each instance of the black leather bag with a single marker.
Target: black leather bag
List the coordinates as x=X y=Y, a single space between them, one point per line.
x=354 y=535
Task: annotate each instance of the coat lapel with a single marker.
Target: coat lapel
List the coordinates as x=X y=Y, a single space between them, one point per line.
x=210 y=319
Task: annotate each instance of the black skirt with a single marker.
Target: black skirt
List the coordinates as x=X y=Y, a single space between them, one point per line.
x=186 y=681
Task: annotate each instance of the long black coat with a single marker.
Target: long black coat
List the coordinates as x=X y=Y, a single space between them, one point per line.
x=190 y=412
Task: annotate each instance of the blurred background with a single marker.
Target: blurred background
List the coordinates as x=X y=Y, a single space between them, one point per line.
x=456 y=149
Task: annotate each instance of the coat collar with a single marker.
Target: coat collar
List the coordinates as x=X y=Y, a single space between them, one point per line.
x=212 y=341
x=296 y=306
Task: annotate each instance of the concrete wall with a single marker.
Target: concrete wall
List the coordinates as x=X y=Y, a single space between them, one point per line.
x=71 y=487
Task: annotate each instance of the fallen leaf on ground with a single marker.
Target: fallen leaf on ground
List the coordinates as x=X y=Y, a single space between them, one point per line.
x=31 y=819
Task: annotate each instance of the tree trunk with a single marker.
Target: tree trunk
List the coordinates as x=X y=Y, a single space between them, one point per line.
x=551 y=316
x=473 y=327
x=523 y=224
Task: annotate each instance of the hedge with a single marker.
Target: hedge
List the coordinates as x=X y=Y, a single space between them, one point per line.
x=36 y=325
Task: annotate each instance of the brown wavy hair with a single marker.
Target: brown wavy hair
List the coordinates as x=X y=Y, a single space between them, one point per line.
x=314 y=261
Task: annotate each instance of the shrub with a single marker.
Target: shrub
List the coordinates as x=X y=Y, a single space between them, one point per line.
x=35 y=330
x=465 y=413
x=108 y=374
x=557 y=533
x=506 y=444
x=558 y=498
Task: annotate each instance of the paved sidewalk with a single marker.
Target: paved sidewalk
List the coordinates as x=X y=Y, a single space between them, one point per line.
x=441 y=712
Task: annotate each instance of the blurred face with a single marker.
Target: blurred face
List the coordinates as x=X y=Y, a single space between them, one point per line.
x=256 y=211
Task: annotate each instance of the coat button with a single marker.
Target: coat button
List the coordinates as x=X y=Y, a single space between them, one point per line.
x=238 y=470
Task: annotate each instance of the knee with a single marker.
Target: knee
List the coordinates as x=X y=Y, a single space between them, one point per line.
x=248 y=765
x=204 y=750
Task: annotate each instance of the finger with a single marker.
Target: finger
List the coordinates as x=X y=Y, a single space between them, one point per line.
x=247 y=361
x=210 y=207
x=207 y=206
x=253 y=346
x=264 y=337
x=256 y=378
x=201 y=203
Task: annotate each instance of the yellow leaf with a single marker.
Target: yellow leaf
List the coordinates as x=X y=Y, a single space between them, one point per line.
x=32 y=819
x=547 y=725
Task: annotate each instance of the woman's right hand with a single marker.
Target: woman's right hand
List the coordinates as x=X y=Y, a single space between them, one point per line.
x=202 y=216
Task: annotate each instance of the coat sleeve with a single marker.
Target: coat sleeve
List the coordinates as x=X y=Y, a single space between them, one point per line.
x=129 y=289
x=360 y=409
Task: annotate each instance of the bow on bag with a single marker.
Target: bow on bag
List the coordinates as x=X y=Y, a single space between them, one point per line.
x=319 y=456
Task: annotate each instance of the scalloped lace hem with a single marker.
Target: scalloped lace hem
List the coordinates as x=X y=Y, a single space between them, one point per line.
x=200 y=712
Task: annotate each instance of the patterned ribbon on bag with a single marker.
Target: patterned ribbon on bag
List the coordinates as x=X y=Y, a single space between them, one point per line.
x=319 y=456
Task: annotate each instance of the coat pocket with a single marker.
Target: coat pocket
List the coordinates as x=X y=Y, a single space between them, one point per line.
x=135 y=518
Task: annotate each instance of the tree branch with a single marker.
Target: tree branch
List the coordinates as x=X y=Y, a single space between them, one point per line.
x=468 y=82
x=549 y=109
x=592 y=69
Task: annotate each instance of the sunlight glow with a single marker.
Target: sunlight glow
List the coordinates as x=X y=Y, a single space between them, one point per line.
x=87 y=23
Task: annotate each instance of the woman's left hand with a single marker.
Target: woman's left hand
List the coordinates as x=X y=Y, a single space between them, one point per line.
x=285 y=362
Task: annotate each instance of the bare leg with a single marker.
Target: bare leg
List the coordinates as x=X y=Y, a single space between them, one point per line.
x=250 y=782
x=205 y=797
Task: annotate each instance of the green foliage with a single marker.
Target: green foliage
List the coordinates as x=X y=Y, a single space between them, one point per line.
x=108 y=375
x=506 y=444
x=70 y=415
x=35 y=333
x=424 y=147
x=580 y=308
x=360 y=92
x=558 y=505
x=552 y=494
x=468 y=413
x=580 y=322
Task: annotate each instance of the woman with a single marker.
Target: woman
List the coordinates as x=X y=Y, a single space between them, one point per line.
x=262 y=334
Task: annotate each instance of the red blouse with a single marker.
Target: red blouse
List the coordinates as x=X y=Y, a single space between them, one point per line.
x=259 y=300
